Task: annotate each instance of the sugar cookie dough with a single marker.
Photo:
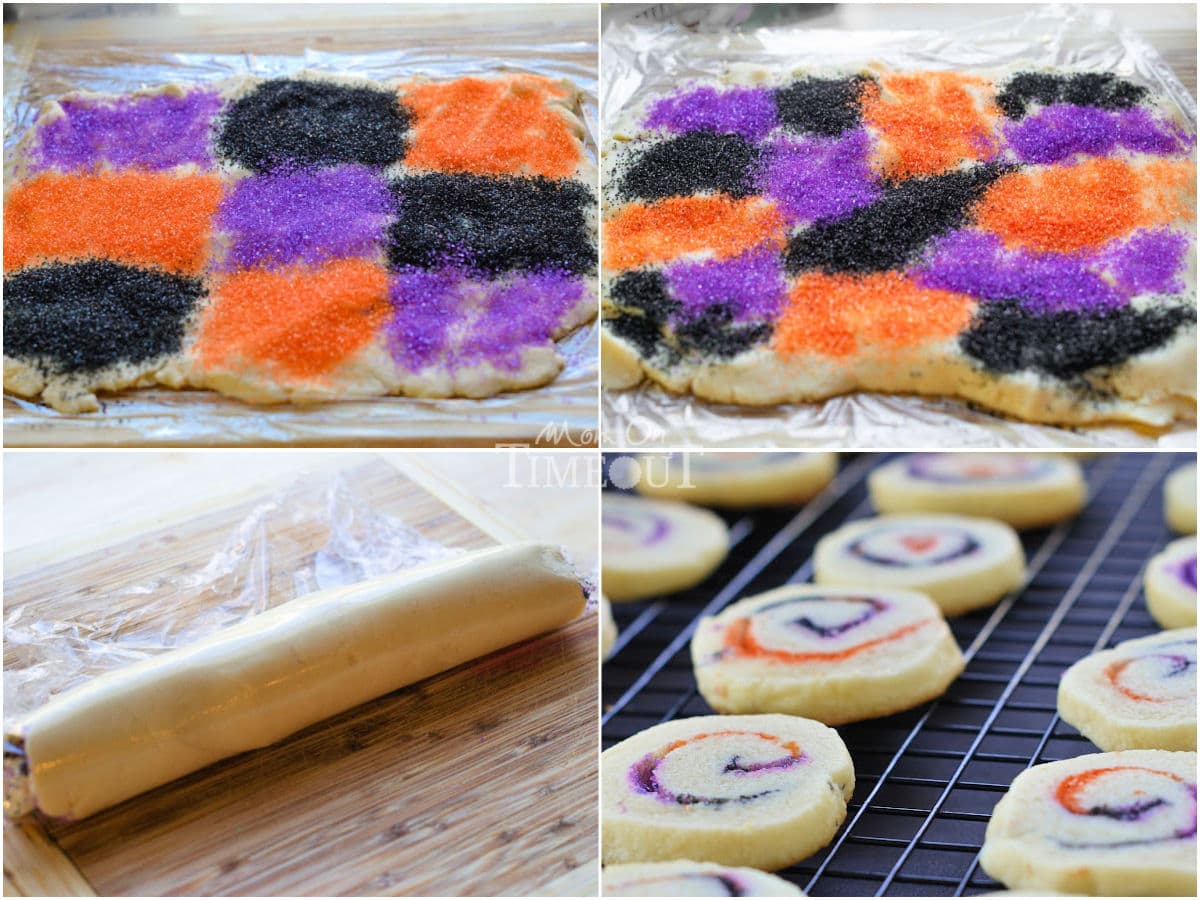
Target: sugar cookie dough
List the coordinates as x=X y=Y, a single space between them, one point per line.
x=962 y=563
x=1107 y=824
x=1170 y=584
x=737 y=480
x=827 y=653
x=248 y=686
x=1140 y=695
x=1026 y=490
x=1179 y=499
x=684 y=878
x=654 y=547
x=759 y=791
x=608 y=628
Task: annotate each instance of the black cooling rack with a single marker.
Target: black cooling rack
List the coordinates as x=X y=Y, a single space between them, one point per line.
x=927 y=779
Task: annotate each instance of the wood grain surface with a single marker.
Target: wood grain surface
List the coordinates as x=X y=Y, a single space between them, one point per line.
x=481 y=780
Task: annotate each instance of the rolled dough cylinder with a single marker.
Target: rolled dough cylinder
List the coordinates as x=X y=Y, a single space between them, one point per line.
x=136 y=728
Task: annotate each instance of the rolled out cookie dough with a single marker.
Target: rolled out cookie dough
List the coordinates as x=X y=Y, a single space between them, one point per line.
x=684 y=878
x=759 y=791
x=1140 y=695
x=1107 y=824
x=657 y=546
x=961 y=563
x=737 y=480
x=1179 y=499
x=1026 y=490
x=827 y=653
x=248 y=686
x=1170 y=585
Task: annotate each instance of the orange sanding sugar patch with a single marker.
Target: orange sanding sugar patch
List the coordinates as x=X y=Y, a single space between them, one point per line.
x=299 y=322
x=639 y=234
x=928 y=122
x=139 y=218
x=835 y=315
x=1067 y=208
x=503 y=126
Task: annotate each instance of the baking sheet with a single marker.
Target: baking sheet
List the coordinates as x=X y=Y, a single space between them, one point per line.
x=563 y=412
x=647 y=58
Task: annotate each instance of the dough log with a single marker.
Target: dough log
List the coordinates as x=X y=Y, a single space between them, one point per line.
x=142 y=726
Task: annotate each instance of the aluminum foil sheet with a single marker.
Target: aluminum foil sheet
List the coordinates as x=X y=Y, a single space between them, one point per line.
x=644 y=57
x=562 y=412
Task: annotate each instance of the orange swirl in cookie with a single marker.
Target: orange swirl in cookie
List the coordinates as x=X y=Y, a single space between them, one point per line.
x=1127 y=806
x=717 y=768
x=972 y=468
x=1164 y=674
x=908 y=546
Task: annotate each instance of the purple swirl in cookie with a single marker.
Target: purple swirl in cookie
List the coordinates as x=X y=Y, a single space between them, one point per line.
x=1185 y=571
x=1162 y=805
x=969 y=469
x=647 y=529
x=825 y=628
x=908 y=548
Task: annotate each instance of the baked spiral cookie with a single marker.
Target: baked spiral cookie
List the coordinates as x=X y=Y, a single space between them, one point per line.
x=691 y=879
x=759 y=791
x=1170 y=584
x=737 y=480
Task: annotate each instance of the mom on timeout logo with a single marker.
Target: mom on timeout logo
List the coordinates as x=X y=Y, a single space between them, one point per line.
x=617 y=470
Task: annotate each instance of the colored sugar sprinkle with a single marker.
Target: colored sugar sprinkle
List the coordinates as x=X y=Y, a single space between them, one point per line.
x=977 y=263
x=502 y=126
x=154 y=132
x=1067 y=208
x=821 y=106
x=87 y=316
x=750 y=286
x=300 y=324
x=712 y=333
x=486 y=322
x=139 y=218
x=639 y=234
x=491 y=225
x=747 y=111
x=313 y=123
x=1005 y=337
x=310 y=215
x=929 y=122
x=892 y=231
x=1099 y=89
x=690 y=164
x=1059 y=132
x=838 y=315
x=646 y=292
x=819 y=179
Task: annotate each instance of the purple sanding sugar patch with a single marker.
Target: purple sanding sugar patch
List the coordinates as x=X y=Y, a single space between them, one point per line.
x=156 y=132
x=819 y=179
x=977 y=263
x=749 y=112
x=311 y=214
x=449 y=317
x=751 y=286
x=1147 y=262
x=1060 y=131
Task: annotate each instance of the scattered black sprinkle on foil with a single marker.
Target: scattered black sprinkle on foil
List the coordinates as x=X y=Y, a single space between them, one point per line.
x=891 y=232
x=713 y=333
x=1101 y=89
x=86 y=316
x=288 y=121
x=825 y=106
x=491 y=225
x=689 y=164
x=1005 y=337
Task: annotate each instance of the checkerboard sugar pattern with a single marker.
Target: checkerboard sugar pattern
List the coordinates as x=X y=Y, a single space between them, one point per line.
x=289 y=224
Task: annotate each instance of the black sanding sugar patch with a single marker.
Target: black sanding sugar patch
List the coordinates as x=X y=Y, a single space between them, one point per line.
x=1005 y=337
x=491 y=225
x=1100 y=89
x=86 y=316
x=644 y=290
x=825 y=106
x=297 y=122
x=714 y=334
x=689 y=164
x=891 y=232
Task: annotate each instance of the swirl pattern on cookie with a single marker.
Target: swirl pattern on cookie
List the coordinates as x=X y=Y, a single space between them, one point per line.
x=962 y=563
x=1106 y=823
x=684 y=878
x=781 y=784
x=1170 y=584
x=1139 y=695
x=657 y=546
x=831 y=654
x=737 y=480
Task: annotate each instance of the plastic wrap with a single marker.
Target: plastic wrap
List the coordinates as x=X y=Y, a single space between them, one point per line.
x=563 y=411
x=645 y=59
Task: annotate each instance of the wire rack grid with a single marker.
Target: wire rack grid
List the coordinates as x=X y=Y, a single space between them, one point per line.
x=927 y=779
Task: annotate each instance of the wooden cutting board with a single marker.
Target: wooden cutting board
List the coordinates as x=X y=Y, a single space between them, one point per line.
x=481 y=780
